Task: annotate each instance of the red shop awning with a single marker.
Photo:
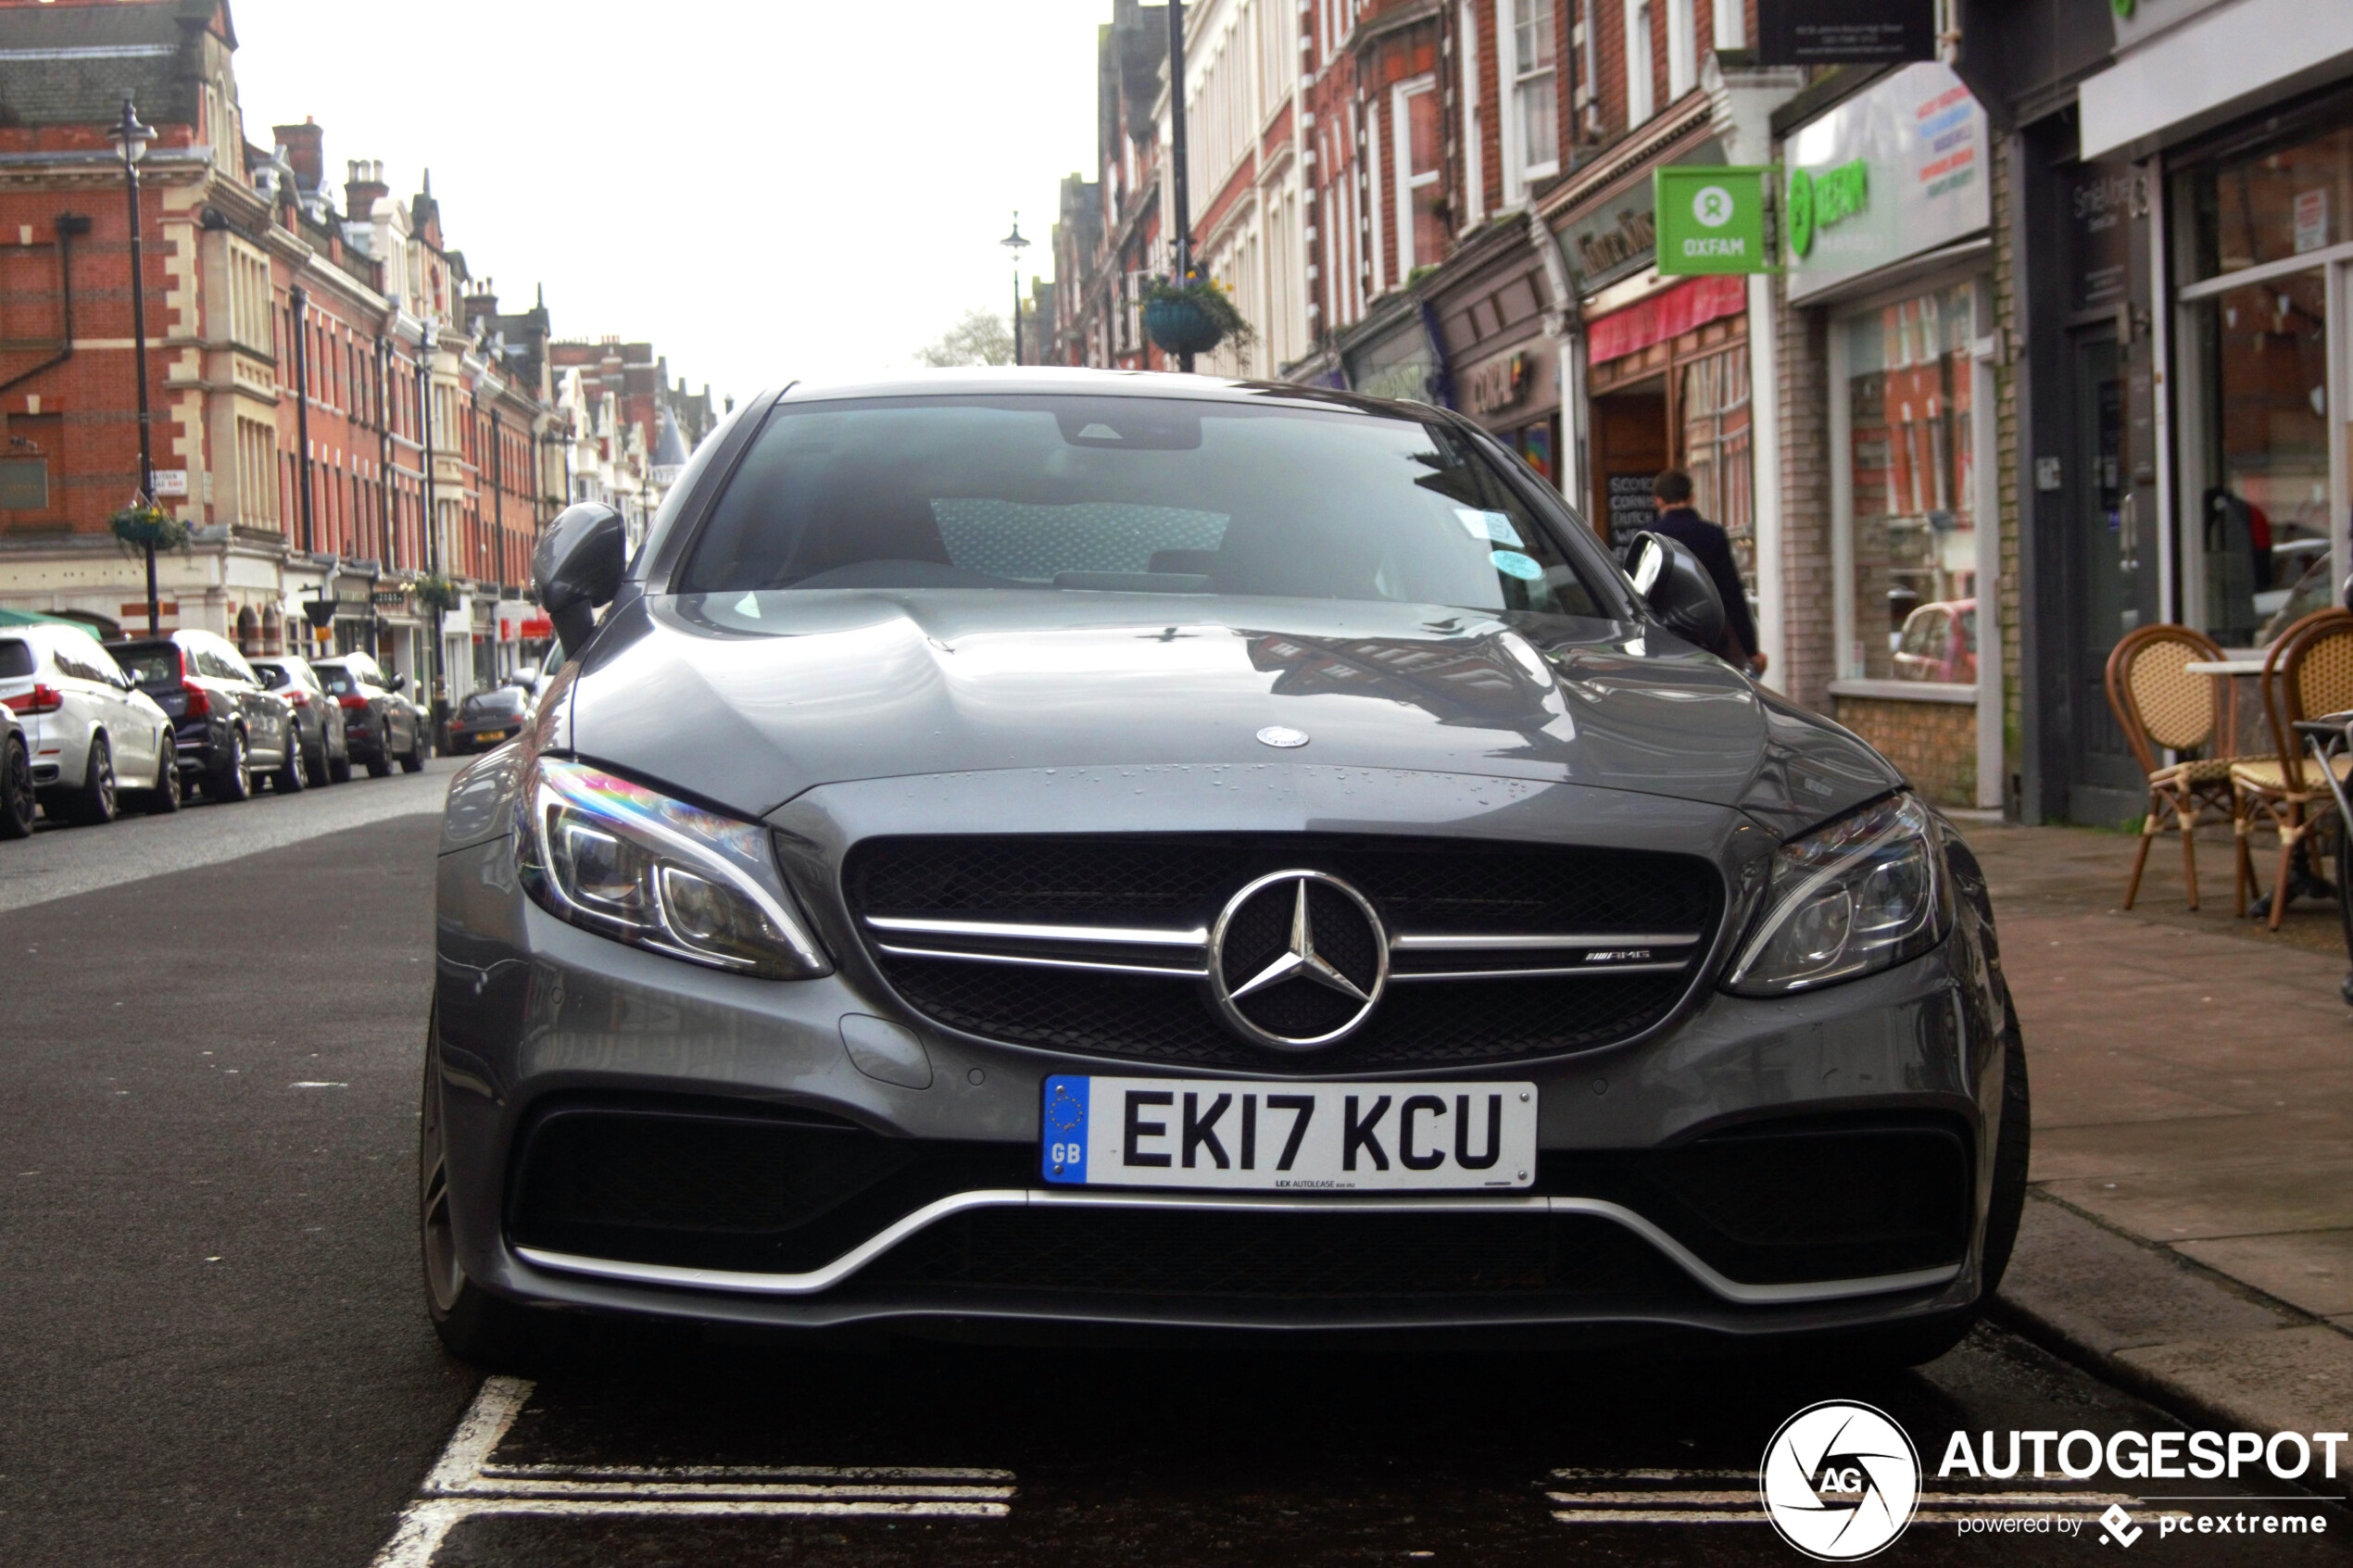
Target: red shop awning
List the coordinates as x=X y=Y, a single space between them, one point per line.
x=1663 y=315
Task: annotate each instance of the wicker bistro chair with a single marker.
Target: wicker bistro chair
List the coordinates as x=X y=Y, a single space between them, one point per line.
x=2308 y=672
x=2160 y=703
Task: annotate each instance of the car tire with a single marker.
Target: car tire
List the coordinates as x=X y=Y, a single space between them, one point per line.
x=473 y=1324
x=414 y=762
x=95 y=803
x=290 y=777
x=233 y=779
x=163 y=795
x=379 y=766
x=314 y=766
x=18 y=802
x=339 y=768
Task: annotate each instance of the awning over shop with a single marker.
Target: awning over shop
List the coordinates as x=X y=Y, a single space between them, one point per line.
x=1663 y=315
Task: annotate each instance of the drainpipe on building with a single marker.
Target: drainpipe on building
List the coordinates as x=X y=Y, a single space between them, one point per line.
x=1560 y=321
x=299 y=298
x=433 y=522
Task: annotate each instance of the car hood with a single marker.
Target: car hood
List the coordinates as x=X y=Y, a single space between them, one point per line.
x=747 y=699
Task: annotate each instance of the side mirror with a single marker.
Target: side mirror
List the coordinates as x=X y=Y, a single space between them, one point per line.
x=577 y=566
x=1676 y=588
x=398 y=683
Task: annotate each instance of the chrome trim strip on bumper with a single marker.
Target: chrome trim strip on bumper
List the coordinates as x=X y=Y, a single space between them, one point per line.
x=874 y=1246
x=1533 y=944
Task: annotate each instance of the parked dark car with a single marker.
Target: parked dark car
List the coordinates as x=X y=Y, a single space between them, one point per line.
x=1131 y=854
x=18 y=802
x=380 y=723
x=319 y=722
x=487 y=718
x=227 y=726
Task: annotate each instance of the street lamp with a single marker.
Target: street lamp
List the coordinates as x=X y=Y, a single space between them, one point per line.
x=1016 y=243
x=132 y=137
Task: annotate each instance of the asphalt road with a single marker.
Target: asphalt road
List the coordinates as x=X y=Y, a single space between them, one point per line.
x=214 y=1352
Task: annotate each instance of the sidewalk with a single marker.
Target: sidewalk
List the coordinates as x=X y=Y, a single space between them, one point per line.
x=2191 y=1222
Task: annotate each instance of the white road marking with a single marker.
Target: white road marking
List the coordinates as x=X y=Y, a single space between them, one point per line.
x=1701 y=1500
x=467 y=1483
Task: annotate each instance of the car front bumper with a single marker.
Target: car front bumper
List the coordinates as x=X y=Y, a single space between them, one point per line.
x=535 y=1015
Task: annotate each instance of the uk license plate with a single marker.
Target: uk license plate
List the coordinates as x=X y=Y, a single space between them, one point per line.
x=492 y=735
x=1291 y=1138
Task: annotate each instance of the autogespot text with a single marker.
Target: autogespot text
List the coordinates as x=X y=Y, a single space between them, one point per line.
x=2138 y=1456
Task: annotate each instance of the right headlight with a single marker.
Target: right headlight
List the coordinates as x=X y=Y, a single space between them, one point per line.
x=628 y=862
x=1864 y=894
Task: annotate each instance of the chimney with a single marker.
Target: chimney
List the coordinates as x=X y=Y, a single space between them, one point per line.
x=363 y=187
x=306 y=147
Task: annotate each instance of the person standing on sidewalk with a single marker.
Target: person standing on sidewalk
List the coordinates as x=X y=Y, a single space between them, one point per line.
x=1680 y=521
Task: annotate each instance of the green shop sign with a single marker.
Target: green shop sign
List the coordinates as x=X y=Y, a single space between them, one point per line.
x=1819 y=201
x=1710 y=219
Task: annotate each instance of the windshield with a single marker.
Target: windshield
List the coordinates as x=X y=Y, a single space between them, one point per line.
x=150 y=665
x=1128 y=494
x=505 y=699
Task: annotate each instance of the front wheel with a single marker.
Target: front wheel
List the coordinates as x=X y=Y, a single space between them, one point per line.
x=414 y=760
x=473 y=1324
x=16 y=801
x=94 y=805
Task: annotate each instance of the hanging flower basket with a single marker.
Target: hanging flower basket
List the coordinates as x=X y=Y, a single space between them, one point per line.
x=1192 y=318
x=145 y=525
x=438 y=594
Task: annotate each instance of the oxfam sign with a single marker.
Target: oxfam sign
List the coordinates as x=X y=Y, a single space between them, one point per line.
x=1820 y=201
x=1710 y=219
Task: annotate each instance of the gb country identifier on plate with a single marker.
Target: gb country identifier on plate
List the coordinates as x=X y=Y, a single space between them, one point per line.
x=1286 y=1138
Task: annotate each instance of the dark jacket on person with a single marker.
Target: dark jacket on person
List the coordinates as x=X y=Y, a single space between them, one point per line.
x=1713 y=547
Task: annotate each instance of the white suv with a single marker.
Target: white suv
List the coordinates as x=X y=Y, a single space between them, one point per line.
x=87 y=724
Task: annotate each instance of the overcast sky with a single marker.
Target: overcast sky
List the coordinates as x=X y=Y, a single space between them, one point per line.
x=765 y=189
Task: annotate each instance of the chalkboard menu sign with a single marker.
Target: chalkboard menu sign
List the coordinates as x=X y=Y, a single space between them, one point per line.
x=1836 y=33
x=1632 y=508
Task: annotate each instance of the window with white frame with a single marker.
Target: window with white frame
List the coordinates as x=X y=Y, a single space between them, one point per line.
x=1413 y=122
x=249 y=304
x=1640 y=105
x=1530 y=50
x=1682 y=48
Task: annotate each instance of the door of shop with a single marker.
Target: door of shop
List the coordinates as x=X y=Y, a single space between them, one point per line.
x=1630 y=447
x=2112 y=564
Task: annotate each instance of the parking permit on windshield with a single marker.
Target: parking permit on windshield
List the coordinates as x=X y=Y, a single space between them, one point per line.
x=1492 y=527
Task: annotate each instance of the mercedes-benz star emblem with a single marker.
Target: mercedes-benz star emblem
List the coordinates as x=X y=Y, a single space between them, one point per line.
x=1282 y=736
x=1297 y=960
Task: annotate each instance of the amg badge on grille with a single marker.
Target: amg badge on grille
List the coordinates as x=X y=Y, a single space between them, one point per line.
x=1297 y=960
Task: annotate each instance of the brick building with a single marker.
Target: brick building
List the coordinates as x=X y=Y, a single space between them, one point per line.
x=624 y=429
x=340 y=406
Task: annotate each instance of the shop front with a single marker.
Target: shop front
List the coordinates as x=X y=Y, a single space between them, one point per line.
x=1491 y=304
x=1887 y=233
x=1392 y=353
x=1667 y=386
x=2190 y=237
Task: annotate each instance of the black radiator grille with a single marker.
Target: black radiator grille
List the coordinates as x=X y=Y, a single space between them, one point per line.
x=1422 y=886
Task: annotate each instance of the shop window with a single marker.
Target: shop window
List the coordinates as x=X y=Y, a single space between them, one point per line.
x=2261 y=402
x=2272 y=205
x=1714 y=398
x=1912 y=486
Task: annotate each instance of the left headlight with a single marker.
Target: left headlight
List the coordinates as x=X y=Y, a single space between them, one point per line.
x=1864 y=894
x=609 y=854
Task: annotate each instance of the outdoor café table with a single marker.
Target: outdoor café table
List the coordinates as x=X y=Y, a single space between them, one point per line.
x=2327 y=738
x=2246 y=671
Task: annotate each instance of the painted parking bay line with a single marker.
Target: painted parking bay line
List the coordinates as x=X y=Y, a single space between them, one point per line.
x=1583 y=1496
x=466 y=1481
